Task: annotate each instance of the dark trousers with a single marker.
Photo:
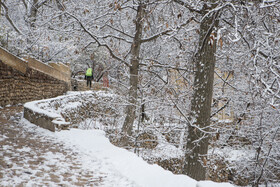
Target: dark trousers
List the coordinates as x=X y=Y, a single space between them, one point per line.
x=89 y=79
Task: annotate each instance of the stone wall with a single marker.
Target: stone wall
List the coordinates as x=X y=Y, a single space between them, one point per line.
x=74 y=110
x=44 y=121
x=22 y=81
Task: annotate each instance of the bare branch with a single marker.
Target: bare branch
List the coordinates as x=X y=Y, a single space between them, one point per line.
x=24 y=3
x=55 y=55
x=180 y=2
x=157 y=75
x=159 y=65
x=116 y=37
x=8 y=17
x=167 y=31
x=119 y=31
x=227 y=82
x=267 y=157
x=220 y=109
x=96 y=39
x=247 y=43
x=39 y=4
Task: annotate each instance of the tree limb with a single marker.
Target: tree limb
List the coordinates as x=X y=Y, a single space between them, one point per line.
x=180 y=2
x=159 y=65
x=55 y=55
x=252 y=51
x=8 y=17
x=157 y=75
x=116 y=37
x=227 y=82
x=267 y=157
x=167 y=31
x=96 y=39
x=39 y=4
x=220 y=109
x=119 y=31
x=24 y=3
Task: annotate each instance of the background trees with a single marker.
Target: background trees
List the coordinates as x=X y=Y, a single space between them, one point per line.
x=245 y=53
x=161 y=55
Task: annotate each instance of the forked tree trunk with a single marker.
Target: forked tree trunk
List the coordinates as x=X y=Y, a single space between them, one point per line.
x=133 y=71
x=197 y=141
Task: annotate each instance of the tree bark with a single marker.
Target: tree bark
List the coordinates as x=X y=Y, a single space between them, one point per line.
x=133 y=71
x=197 y=141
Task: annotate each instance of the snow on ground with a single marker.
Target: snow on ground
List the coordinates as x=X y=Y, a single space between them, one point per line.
x=94 y=142
x=77 y=158
x=122 y=167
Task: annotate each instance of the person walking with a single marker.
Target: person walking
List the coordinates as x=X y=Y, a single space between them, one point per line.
x=89 y=76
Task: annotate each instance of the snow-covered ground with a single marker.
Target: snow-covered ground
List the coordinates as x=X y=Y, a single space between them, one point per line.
x=33 y=156
x=88 y=153
x=122 y=167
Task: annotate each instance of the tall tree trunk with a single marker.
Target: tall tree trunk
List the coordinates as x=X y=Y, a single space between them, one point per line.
x=133 y=70
x=197 y=141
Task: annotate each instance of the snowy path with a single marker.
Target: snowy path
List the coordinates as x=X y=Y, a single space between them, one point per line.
x=122 y=162
x=32 y=156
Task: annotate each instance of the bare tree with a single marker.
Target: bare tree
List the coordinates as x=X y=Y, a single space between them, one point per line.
x=204 y=63
x=133 y=70
x=197 y=142
x=132 y=39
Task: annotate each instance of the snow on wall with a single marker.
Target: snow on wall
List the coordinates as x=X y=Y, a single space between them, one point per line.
x=22 y=81
x=66 y=111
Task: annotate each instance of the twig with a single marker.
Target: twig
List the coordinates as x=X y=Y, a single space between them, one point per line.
x=225 y=105
x=8 y=17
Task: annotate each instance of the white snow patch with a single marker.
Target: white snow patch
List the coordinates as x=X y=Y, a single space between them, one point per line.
x=128 y=164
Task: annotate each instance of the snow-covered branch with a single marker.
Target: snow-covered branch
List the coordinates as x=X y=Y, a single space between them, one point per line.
x=96 y=39
x=8 y=17
x=167 y=31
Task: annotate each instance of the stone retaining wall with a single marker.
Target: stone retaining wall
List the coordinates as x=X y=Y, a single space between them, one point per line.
x=74 y=108
x=39 y=119
x=22 y=81
x=44 y=121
